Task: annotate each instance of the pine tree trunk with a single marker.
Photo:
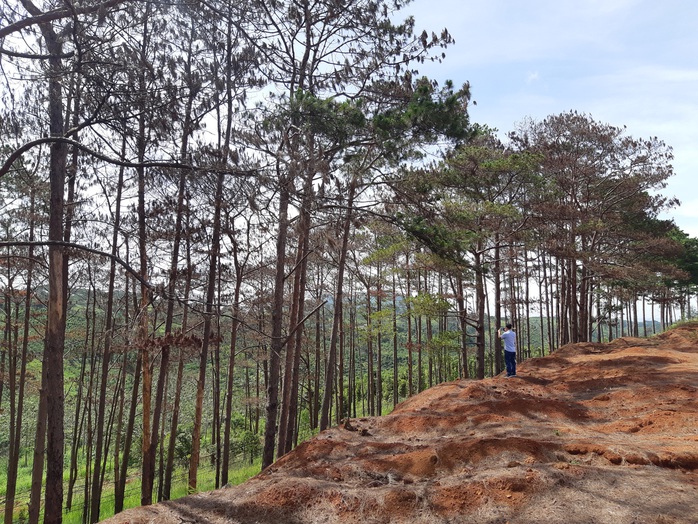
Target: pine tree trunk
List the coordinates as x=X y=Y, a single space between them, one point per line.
x=463 y=321
x=10 y=374
x=480 y=305
x=410 y=364
x=169 y=468
x=142 y=339
x=396 y=395
x=100 y=448
x=17 y=421
x=379 y=347
x=210 y=295
x=225 y=465
x=338 y=312
x=77 y=435
x=498 y=355
x=370 y=363
x=285 y=434
x=120 y=487
x=277 y=342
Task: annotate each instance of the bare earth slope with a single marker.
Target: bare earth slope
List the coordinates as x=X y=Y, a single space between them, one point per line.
x=591 y=434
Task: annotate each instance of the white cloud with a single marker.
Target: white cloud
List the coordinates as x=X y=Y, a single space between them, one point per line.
x=624 y=62
x=532 y=77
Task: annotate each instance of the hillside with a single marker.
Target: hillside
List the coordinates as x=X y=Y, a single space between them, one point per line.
x=595 y=433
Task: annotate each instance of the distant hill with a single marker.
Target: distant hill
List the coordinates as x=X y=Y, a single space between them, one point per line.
x=594 y=433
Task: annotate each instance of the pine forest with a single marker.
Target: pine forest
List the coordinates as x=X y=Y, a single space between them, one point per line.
x=229 y=225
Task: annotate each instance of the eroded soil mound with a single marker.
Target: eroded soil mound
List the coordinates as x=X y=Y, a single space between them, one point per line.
x=594 y=433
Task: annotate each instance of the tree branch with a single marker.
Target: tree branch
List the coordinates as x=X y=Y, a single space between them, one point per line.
x=16 y=154
x=16 y=54
x=79 y=247
x=42 y=18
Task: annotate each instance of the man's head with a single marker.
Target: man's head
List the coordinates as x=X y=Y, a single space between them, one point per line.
x=508 y=326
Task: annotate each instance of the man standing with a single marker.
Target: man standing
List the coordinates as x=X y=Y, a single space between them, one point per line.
x=509 y=338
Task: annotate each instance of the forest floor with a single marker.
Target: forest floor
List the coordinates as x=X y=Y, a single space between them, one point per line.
x=592 y=434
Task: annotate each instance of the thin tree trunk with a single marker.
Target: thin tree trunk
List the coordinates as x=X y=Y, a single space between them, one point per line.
x=119 y=480
x=231 y=368
x=10 y=374
x=277 y=342
x=546 y=285
x=292 y=431
x=340 y=372
x=77 y=433
x=463 y=320
x=39 y=454
x=285 y=421
x=352 y=353
x=161 y=446
x=480 y=305
x=370 y=372
x=498 y=355
x=147 y=466
x=100 y=448
x=541 y=294
x=644 y=315
x=120 y=488
x=215 y=364
x=239 y=267
x=396 y=396
x=408 y=301
x=210 y=295
x=379 y=355
x=418 y=327
x=169 y=469
x=488 y=316
x=17 y=420
x=6 y=354
x=315 y=416
x=90 y=347
x=338 y=311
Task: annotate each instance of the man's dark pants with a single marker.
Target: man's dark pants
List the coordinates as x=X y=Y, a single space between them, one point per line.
x=510 y=361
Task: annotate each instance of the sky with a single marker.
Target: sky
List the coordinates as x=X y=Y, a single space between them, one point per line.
x=630 y=63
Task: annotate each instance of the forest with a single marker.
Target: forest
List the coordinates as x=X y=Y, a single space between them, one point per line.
x=227 y=226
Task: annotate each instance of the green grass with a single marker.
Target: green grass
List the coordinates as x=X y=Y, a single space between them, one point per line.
x=241 y=474
x=683 y=322
x=132 y=497
x=23 y=489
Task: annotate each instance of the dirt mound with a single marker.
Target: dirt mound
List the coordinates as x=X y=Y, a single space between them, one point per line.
x=594 y=433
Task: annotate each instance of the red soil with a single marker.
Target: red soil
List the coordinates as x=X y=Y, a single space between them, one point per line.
x=594 y=433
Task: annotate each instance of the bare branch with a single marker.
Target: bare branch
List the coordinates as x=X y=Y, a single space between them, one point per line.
x=57 y=14
x=5 y=168
x=16 y=54
x=79 y=247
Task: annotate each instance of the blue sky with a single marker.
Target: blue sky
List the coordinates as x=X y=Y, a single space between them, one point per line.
x=627 y=63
